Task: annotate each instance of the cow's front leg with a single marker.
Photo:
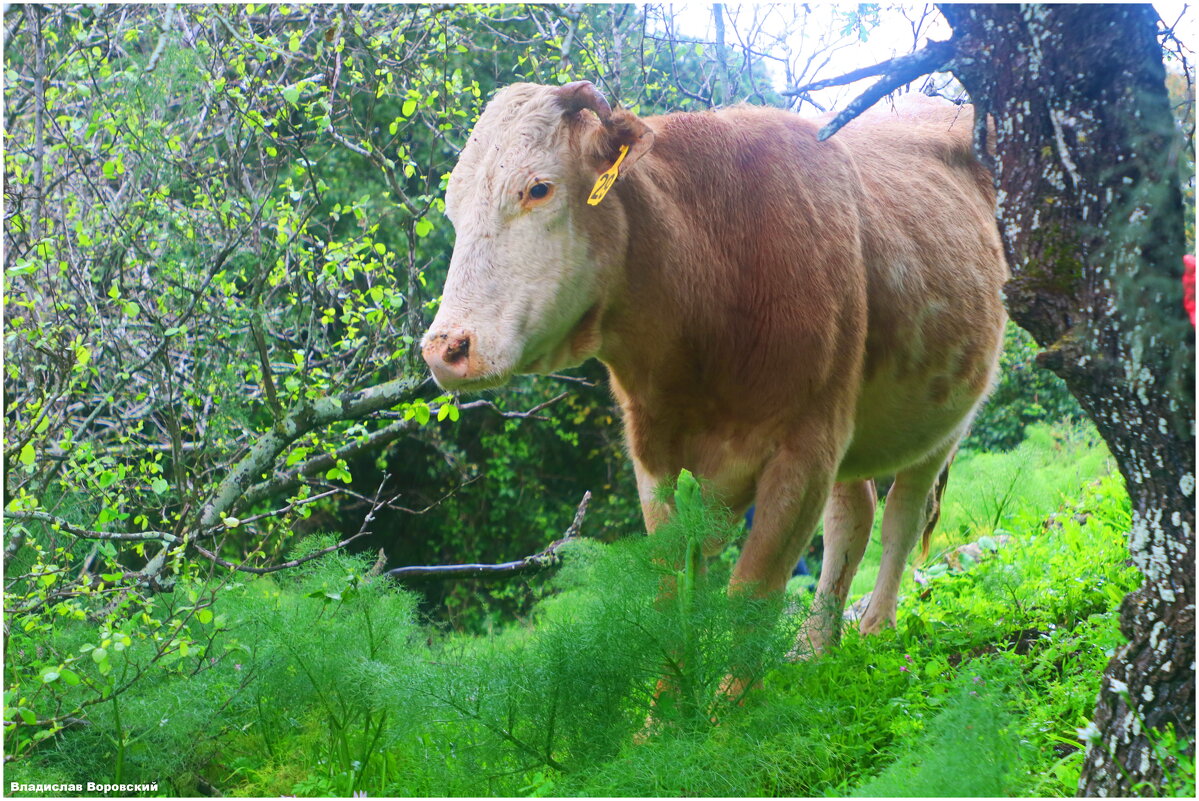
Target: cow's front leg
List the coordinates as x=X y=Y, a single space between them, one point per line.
x=791 y=493
x=655 y=511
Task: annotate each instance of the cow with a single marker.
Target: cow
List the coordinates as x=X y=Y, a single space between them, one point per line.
x=784 y=317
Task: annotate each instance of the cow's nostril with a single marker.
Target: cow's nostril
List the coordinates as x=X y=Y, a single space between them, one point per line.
x=457 y=350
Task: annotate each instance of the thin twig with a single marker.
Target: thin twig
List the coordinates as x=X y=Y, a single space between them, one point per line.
x=531 y=413
x=258 y=571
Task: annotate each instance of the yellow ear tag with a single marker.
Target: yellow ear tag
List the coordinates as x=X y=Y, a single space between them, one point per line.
x=606 y=179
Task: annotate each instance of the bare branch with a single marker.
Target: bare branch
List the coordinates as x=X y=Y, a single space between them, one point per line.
x=162 y=39
x=289 y=478
x=306 y=416
x=530 y=564
x=898 y=71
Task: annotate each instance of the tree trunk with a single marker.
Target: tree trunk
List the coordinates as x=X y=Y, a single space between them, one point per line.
x=1087 y=164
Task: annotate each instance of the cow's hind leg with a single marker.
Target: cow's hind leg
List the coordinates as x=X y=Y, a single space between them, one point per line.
x=848 y=518
x=912 y=505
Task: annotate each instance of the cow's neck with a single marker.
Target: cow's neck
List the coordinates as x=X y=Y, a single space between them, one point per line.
x=643 y=330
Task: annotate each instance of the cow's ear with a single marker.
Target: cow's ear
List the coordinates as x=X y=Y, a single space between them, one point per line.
x=624 y=128
x=616 y=129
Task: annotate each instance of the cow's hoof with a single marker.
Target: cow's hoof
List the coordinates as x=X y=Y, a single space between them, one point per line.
x=815 y=638
x=875 y=624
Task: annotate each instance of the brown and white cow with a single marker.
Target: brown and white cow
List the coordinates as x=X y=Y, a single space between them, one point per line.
x=785 y=318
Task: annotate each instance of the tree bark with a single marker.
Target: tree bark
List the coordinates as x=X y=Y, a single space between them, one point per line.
x=1087 y=166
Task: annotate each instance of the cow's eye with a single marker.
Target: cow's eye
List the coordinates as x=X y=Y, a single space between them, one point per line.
x=539 y=190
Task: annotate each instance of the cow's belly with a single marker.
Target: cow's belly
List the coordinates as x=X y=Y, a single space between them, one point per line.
x=902 y=421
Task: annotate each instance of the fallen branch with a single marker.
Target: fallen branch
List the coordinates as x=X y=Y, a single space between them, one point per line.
x=896 y=72
x=539 y=561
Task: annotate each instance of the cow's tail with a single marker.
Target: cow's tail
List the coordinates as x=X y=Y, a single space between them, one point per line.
x=934 y=507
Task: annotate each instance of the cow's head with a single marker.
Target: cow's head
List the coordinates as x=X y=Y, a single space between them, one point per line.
x=531 y=272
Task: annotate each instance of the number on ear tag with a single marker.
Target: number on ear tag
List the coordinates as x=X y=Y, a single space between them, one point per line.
x=606 y=179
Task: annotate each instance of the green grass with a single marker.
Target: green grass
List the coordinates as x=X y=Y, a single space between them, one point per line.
x=994 y=492
x=325 y=682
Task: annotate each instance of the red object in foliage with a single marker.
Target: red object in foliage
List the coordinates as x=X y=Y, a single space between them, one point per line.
x=1188 y=285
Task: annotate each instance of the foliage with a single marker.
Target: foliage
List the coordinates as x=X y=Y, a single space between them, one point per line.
x=224 y=215
x=1024 y=393
x=324 y=681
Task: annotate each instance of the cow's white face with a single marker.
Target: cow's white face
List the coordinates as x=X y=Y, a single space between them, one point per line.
x=525 y=288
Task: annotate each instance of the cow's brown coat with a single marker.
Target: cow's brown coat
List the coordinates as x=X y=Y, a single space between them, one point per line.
x=778 y=315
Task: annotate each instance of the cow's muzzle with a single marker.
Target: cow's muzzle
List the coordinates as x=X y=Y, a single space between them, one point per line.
x=449 y=357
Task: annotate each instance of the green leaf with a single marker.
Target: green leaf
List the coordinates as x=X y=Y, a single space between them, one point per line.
x=408 y=107
x=99 y=655
x=292 y=95
x=106 y=479
x=24 y=267
x=27 y=715
x=50 y=676
x=159 y=485
x=204 y=616
x=69 y=676
x=27 y=454
x=423 y=227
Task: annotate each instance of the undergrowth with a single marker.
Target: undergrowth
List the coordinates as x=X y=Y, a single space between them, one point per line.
x=997 y=493
x=325 y=682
